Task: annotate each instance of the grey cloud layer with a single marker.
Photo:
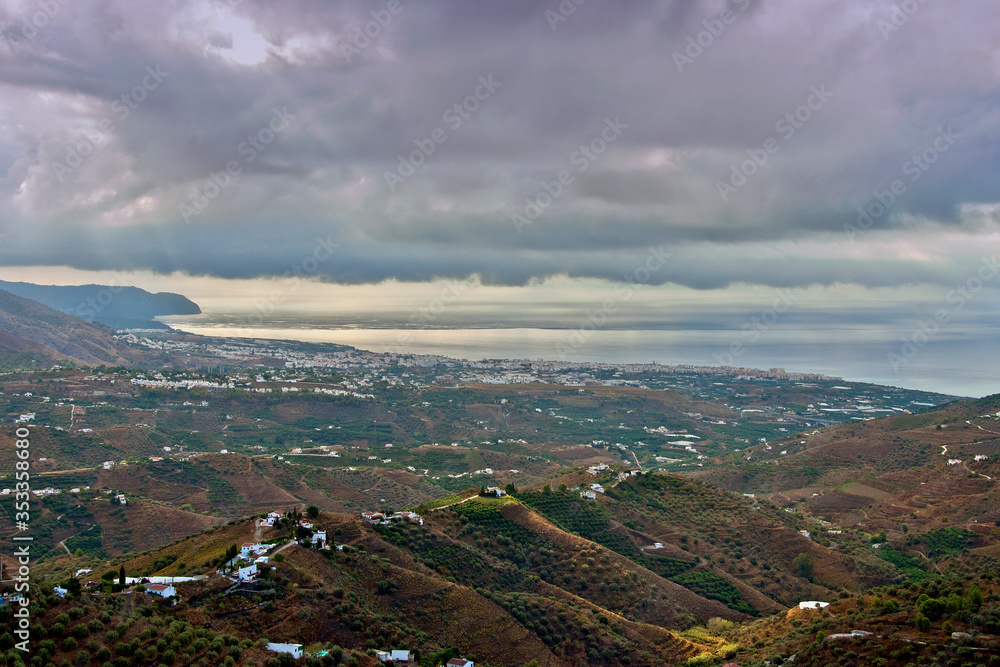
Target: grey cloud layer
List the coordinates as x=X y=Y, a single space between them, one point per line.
x=354 y=112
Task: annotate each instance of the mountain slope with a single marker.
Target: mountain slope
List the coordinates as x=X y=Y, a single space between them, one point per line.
x=925 y=470
x=114 y=306
x=58 y=336
x=381 y=592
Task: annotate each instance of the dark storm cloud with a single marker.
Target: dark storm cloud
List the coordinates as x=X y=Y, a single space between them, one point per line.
x=846 y=95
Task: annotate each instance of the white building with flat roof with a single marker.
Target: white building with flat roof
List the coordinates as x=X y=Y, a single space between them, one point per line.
x=294 y=650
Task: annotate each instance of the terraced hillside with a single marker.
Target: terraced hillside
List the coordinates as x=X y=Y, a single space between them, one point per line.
x=431 y=588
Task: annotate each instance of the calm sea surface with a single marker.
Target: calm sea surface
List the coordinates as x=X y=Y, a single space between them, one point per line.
x=966 y=365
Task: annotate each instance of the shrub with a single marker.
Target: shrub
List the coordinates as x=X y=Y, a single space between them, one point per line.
x=716 y=625
x=803 y=566
x=386 y=587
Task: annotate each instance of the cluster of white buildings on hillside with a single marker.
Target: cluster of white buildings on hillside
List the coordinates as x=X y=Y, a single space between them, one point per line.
x=380 y=518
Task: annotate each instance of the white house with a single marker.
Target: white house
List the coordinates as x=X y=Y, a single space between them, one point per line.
x=393 y=656
x=267 y=522
x=657 y=545
x=460 y=662
x=411 y=516
x=163 y=590
x=813 y=604
x=597 y=488
x=247 y=573
x=588 y=495
x=60 y=591
x=247 y=548
x=318 y=536
x=294 y=650
x=496 y=490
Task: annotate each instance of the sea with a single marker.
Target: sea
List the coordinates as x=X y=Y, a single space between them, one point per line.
x=960 y=363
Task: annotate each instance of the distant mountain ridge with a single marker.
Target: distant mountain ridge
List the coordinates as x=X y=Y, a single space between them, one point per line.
x=34 y=333
x=118 y=307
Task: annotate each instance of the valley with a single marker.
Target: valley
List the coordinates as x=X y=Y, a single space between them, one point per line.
x=562 y=514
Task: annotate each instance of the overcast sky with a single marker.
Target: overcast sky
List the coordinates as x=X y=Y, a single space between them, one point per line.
x=707 y=146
